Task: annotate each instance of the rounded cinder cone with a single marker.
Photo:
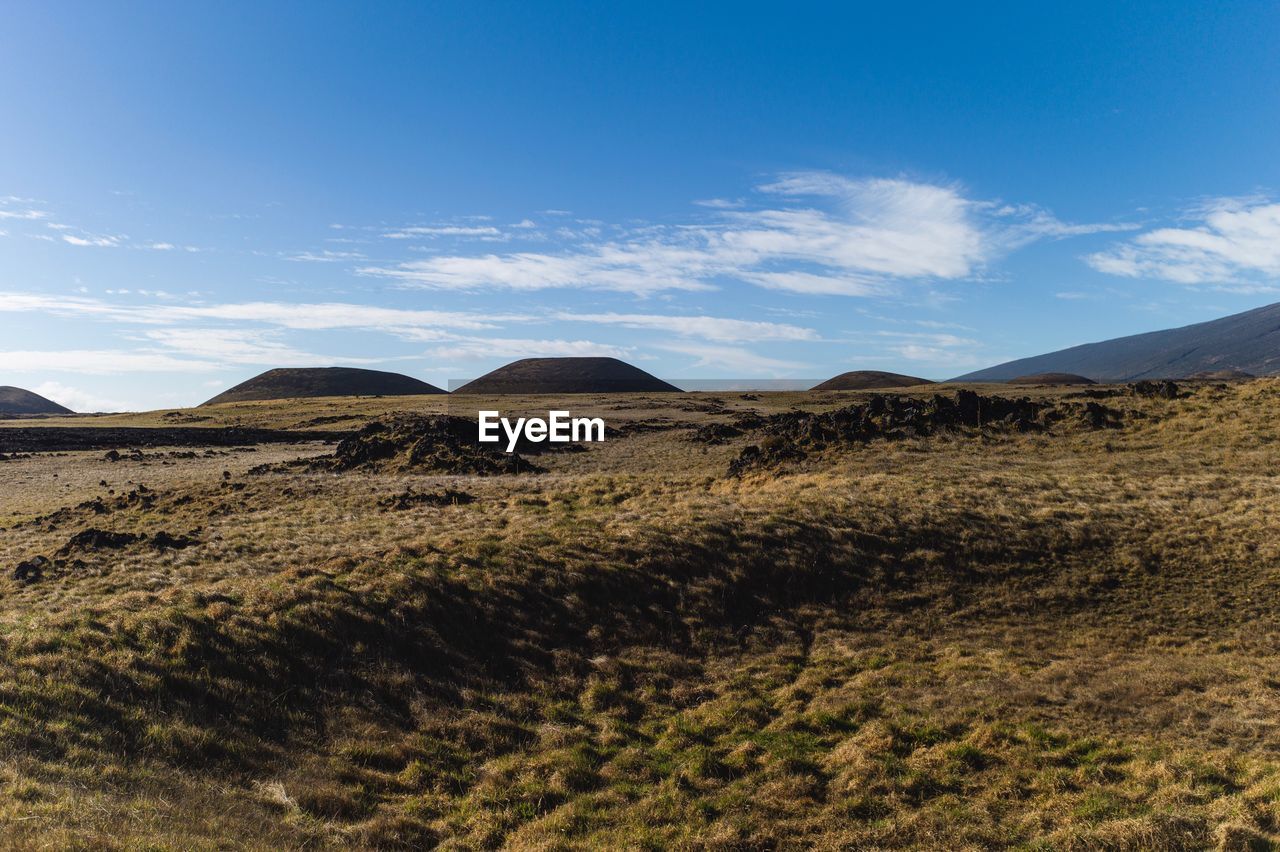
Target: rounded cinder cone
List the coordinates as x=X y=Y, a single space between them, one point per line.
x=1052 y=379
x=301 y=382
x=19 y=401
x=567 y=375
x=870 y=380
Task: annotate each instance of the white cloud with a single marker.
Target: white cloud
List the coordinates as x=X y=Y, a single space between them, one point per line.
x=720 y=203
x=708 y=328
x=868 y=234
x=324 y=256
x=162 y=246
x=23 y=214
x=809 y=283
x=331 y=315
x=77 y=399
x=941 y=349
x=99 y=362
x=91 y=240
x=485 y=348
x=241 y=346
x=934 y=355
x=1236 y=240
x=444 y=231
x=640 y=268
x=731 y=358
x=300 y=316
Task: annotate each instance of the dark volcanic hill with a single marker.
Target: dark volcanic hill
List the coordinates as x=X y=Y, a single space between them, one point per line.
x=18 y=401
x=1052 y=379
x=1249 y=342
x=869 y=379
x=567 y=375
x=300 y=382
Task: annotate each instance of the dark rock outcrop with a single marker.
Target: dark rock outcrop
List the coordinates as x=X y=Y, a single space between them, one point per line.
x=438 y=444
x=794 y=434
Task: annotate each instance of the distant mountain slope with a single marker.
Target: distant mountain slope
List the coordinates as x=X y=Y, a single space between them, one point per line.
x=19 y=401
x=1248 y=341
x=300 y=382
x=567 y=375
x=868 y=379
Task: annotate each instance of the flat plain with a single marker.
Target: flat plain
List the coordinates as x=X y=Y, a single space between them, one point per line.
x=889 y=626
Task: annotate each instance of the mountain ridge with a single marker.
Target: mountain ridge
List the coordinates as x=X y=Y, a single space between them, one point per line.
x=1248 y=341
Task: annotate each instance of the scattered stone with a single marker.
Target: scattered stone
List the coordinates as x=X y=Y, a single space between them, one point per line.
x=640 y=427
x=95 y=505
x=164 y=541
x=96 y=539
x=410 y=498
x=30 y=570
x=1097 y=416
x=715 y=433
x=1163 y=389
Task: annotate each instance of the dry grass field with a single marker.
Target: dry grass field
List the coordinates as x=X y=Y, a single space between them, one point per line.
x=1054 y=638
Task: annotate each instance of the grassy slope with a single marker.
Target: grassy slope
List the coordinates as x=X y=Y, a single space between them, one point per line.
x=1038 y=641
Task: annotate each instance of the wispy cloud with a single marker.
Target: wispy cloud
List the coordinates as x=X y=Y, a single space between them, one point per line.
x=444 y=231
x=637 y=268
x=736 y=358
x=941 y=349
x=99 y=362
x=1231 y=240
x=242 y=346
x=22 y=214
x=471 y=349
x=91 y=240
x=77 y=399
x=324 y=256
x=300 y=316
x=17 y=209
x=854 y=237
x=707 y=328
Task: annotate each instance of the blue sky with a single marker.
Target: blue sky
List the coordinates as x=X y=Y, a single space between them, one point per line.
x=193 y=194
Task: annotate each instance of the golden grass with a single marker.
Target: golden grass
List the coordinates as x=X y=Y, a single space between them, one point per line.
x=1045 y=641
